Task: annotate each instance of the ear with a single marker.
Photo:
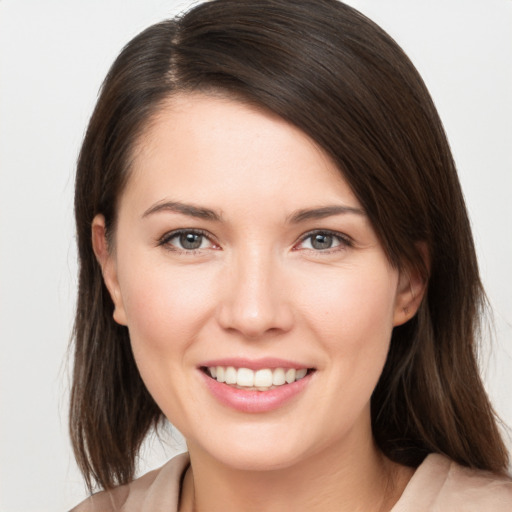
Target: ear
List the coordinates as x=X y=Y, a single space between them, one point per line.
x=107 y=261
x=412 y=286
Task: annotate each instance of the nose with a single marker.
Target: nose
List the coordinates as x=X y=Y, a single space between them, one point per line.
x=255 y=300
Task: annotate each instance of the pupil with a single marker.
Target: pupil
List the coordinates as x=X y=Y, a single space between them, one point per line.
x=322 y=241
x=190 y=241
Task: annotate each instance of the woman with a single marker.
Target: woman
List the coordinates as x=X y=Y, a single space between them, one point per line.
x=282 y=266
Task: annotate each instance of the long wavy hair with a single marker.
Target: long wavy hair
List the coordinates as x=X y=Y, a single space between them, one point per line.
x=333 y=73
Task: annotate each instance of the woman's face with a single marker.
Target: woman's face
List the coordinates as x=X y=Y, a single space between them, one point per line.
x=240 y=247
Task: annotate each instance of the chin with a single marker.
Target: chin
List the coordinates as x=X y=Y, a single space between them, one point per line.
x=256 y=448
x=258 y=459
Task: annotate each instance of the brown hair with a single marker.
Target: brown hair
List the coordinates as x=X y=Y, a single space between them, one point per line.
x=334 y=74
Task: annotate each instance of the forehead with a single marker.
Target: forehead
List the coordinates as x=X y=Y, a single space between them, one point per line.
x=213 y=148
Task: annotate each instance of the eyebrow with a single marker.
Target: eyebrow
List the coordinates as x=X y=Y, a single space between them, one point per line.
x=208 y=214
x=323 y=212
x=184 y=209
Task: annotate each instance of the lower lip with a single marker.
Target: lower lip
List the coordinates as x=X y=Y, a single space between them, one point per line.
x=252 y=401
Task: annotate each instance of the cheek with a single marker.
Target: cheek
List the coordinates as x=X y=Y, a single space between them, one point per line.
x=353 y=320
x=165 y=310
x=353 y=311
x=165 y=307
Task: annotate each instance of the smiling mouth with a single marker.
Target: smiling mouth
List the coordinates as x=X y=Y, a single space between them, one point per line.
x=256 y=380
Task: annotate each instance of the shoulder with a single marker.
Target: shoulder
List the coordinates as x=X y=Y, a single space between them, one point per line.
x=158 y=486
x=441 y=485
x=481 y=490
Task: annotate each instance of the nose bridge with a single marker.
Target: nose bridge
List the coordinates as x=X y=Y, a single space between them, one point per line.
x=255 y=299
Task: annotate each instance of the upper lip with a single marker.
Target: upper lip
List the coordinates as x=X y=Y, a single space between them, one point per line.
x=255 y=364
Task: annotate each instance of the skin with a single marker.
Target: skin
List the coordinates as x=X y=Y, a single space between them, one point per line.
x=257 y=287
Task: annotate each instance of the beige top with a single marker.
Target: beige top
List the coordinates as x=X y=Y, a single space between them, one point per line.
x=438 y=485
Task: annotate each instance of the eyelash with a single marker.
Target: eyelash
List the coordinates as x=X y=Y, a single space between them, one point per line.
x=343 y=240
x=165 y=240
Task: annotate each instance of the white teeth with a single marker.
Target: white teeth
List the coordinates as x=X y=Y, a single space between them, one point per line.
x=290 y=375
x=300 y=373
x=245 y=377
x=261 y=380
x=278 y=377
x=230 y=375
x=220 y=374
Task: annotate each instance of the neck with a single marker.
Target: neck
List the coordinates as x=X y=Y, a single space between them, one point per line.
x=357 y=479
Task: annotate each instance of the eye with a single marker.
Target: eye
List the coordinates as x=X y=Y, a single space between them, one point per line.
x=323 y=241
x=186 y=240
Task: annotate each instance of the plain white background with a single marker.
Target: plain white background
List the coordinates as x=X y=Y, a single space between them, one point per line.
x=53 y=57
